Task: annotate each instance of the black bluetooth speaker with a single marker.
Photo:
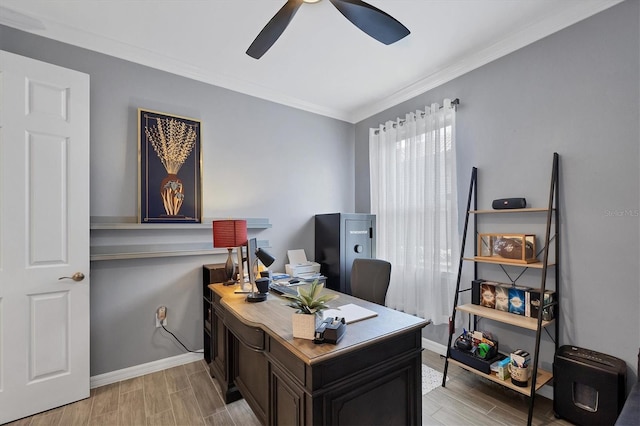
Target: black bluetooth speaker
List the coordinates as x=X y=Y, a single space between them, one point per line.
x=509 y=203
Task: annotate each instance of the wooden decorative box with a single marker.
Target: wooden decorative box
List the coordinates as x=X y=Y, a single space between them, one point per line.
x=515 y=248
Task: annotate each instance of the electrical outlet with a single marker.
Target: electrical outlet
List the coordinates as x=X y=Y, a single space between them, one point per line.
x=161 y=316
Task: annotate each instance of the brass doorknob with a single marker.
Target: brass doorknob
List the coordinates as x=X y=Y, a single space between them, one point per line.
x=78 y=276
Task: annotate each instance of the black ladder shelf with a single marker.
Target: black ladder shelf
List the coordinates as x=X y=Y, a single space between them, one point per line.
x=539 y=377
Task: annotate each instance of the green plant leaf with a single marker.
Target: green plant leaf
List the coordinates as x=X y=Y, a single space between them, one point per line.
x=310 y=301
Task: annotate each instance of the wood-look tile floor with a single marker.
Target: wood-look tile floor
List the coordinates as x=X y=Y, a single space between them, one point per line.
x=469 y=399
x=183 y=395
x=186 y=395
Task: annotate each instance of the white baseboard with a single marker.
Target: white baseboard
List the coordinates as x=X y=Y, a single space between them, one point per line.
x=162 y=364
x=545 y=391
x=142 y=369
x=434 y=346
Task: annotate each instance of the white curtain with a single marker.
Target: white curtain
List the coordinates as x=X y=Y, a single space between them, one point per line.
x=412 y=163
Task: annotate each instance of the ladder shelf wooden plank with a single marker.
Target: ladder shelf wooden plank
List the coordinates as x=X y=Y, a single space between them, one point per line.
x=504 y=317
x=542 y=378
x=534 y=265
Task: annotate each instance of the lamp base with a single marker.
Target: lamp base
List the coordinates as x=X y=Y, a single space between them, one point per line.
x=256 y=297
x=229 y=269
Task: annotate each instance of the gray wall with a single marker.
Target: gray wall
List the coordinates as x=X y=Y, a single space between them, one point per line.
x=260 y=159
x=575 y=92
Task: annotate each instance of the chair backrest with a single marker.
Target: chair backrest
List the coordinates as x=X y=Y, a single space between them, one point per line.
x=370 y=279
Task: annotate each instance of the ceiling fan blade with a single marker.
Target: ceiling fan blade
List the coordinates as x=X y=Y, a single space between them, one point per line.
x=373 y=21
x=274 y=29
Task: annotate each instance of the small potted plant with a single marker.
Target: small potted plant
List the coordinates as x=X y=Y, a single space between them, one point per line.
x=309 y=304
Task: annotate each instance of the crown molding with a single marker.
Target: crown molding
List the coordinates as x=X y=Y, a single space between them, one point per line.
x=44 y=27
x=85 y=39
x=524 y=37
x=19 y=20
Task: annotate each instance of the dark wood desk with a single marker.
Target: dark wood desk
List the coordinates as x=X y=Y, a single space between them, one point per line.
x=373 y=376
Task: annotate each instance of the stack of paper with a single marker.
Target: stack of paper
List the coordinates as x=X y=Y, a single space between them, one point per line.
x=350 y=313
x=299 y=265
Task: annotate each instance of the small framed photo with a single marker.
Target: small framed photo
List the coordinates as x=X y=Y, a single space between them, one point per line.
x=169 y=168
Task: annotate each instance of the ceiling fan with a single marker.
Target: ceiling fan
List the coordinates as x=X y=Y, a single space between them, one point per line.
x=369 y=19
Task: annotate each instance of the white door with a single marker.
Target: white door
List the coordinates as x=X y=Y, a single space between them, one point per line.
x=44 y=235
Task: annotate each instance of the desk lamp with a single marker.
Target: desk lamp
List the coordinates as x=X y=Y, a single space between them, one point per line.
x=230 y=234
x=266 y=260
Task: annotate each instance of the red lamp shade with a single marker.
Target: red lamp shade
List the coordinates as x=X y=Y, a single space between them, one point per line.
x=229 y=233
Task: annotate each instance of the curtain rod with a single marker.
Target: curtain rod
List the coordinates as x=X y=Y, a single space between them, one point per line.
x=454 y=104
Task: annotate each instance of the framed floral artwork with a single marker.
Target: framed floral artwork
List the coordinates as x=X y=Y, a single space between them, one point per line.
x=169 y=168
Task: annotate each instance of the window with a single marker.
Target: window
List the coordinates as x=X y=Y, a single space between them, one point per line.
x=414 y=198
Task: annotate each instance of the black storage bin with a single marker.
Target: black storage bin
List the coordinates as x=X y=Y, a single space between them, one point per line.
x=483 y=365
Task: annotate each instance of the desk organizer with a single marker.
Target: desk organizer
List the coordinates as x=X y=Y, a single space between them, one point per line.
x=483 y=365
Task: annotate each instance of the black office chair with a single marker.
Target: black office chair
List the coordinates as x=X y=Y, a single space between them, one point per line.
x=370 y=279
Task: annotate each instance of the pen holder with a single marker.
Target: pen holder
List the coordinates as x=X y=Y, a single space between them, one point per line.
x=266 y=274
x=519 y=375
x=263 y=285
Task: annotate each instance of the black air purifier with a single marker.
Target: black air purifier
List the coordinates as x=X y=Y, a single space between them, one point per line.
x=589 y=387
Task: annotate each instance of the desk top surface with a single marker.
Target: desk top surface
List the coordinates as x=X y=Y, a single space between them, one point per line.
x=273 y=316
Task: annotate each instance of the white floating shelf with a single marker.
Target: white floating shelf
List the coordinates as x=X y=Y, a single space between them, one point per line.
x=109 y=227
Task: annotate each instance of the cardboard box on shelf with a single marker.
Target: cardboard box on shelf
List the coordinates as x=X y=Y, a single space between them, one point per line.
x=533 y=303
x=520 y=357
x=501 y=368
x=517 y=300
x=475 y=291
x=502 y=297
x=488 y=294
